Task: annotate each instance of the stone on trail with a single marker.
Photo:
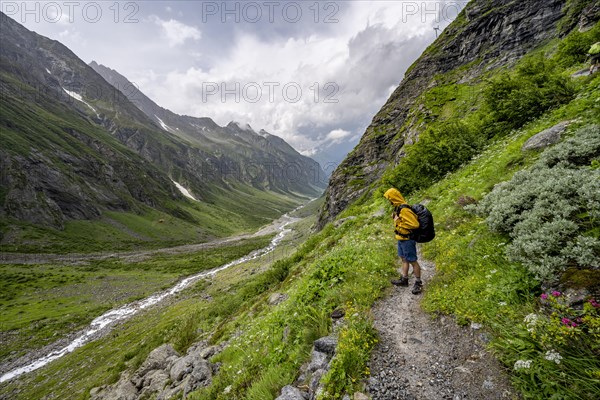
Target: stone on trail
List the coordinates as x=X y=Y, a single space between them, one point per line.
x=326 y=344
x=291 y=393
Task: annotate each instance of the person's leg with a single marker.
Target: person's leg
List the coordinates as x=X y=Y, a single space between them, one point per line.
x=416 y=269
x=403 y=281
x=405 y=268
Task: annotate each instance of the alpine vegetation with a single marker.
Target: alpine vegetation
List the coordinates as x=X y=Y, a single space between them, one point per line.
x=552 y=210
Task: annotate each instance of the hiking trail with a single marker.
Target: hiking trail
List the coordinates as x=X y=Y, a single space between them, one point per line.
x=422 y=358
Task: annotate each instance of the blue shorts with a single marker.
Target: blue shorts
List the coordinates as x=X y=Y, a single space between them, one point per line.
x=407 y=250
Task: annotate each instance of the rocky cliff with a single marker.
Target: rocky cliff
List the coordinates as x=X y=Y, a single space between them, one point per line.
x=485 y=35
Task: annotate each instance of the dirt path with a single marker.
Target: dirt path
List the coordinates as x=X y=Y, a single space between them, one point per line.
x=137 y=255
x=419 y=358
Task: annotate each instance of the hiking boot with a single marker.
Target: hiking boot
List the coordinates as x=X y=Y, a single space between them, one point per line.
x=403 y=281
x=418 y=288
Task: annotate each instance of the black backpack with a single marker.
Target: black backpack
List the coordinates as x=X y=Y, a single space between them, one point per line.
x=426 y=231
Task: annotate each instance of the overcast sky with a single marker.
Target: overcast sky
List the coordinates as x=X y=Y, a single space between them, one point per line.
x=314 y=73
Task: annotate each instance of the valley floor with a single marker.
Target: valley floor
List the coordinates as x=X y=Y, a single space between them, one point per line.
x=138 y=255
x=418 y=357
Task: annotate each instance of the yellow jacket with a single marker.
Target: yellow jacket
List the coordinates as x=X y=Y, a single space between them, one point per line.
x=407 y=219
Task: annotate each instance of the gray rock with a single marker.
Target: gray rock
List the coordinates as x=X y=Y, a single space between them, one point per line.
x=277 y=298
x=291 y=393
x=122 y=390
x=209 y=352
x=326 y=345
x=546 y=137
x=315 y=380
x=318 y=360
x=160 y=358
x=154 y=382
x=181 y=368
x=201 y=376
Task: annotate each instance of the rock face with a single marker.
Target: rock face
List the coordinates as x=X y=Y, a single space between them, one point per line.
x=486 y=35
x=163 y=375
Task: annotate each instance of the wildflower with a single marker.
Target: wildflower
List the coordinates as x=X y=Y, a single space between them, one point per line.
x=594 y=303
x=552 y=355
x=544 y=296
x=522 y=364
x=568 y=322
x=531 y=320
x=556 y=294
x=502 y=303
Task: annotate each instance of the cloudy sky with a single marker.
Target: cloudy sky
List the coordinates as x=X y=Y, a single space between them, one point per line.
x=314 y=73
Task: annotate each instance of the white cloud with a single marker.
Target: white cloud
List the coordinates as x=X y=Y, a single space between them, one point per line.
x=177 y=32
x=337 y=135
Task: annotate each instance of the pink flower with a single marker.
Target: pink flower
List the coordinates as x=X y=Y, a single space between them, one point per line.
x=556 y=293
x=594 y=303
x=568 y=322
x=544 y=296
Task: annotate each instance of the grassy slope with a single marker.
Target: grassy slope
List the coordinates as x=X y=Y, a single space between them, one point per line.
x=41 y=303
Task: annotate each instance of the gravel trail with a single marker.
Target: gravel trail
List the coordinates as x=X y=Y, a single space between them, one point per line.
x=422 y=358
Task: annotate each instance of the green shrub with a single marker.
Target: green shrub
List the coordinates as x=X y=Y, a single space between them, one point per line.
x=514 y=99
x=574 y=48
x=440 y=150
x=551 y=211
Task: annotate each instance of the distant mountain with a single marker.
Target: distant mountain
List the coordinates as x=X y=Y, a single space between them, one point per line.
x=72 y=147
x=237 y=140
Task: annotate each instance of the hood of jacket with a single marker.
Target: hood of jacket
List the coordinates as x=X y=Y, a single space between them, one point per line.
x=395 y=197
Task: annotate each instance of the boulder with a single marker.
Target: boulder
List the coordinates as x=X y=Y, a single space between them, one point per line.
x=201 y=375
x=546 y=137
x=291 y=393
x=180 y=369
x=318 y=361
x=122 y=390
x=326 y=345
x=315 y=381
x=160 y=358
x=154 y=382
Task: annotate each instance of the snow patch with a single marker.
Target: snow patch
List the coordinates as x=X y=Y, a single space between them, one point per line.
x=48 y=71
x=78 y=97
x=183 y=190
x=162 y=124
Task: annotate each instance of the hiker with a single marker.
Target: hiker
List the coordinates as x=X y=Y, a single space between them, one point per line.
x=405 y=220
